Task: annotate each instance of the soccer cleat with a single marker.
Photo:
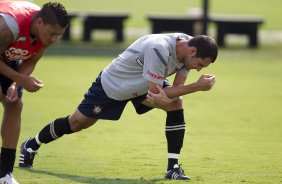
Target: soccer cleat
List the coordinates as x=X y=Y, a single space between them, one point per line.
x=8 y=179
x=177 y=173
x=26 y=156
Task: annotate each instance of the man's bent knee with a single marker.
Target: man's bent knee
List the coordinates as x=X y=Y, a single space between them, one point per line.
x=175 y=105
x=13 y=107
x=78 y=121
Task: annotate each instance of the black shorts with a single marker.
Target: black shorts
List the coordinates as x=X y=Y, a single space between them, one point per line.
x=5 y=82
x=97 y=105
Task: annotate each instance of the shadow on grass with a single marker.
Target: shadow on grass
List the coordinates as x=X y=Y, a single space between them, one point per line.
x=86 y=49
x=85 y=179
x=113 y=49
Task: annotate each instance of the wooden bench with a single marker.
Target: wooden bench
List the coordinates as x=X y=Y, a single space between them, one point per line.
x=93 y=21
x=173 y=23
x=227 y=24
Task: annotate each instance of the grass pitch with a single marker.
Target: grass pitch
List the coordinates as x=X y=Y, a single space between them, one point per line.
x=233 y=132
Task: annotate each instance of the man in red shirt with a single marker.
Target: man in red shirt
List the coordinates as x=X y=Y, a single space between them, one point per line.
x=26 y=30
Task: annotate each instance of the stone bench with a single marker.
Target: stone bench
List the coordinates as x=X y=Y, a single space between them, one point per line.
x=244 y=25
x=93 y=21
x=226 y=24
x=173 y=23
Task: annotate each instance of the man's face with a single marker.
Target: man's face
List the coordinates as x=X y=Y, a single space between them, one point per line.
x=49 y=34
x=193 y=62
x=197 y=63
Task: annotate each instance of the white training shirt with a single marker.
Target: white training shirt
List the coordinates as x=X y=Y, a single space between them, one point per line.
x=150 y=58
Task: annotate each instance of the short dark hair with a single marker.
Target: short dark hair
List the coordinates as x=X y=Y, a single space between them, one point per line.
x=206 y=47
x=54 y=13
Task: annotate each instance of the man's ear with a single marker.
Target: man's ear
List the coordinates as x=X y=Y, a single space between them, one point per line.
x=39 y=21
x=193 y=51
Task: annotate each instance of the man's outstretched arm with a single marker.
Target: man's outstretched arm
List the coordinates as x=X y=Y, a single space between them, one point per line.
x=204 y=83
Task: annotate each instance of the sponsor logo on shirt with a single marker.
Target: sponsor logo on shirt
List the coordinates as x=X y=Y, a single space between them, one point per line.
x=155 y=75
x=16 y=54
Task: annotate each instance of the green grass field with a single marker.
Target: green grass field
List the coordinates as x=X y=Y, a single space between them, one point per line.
x=233 y=132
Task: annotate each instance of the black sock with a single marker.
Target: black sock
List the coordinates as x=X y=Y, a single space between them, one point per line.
x=7 y=161
x=175 y=130
x=171 y=163
x=51 y=132
x=31 y=143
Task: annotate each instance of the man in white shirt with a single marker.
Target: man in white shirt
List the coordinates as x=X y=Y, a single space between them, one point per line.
x=139 y=75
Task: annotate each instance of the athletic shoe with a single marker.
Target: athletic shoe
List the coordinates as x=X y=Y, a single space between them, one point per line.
x=177 y=173
x=26 y=156
x=8 y=179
